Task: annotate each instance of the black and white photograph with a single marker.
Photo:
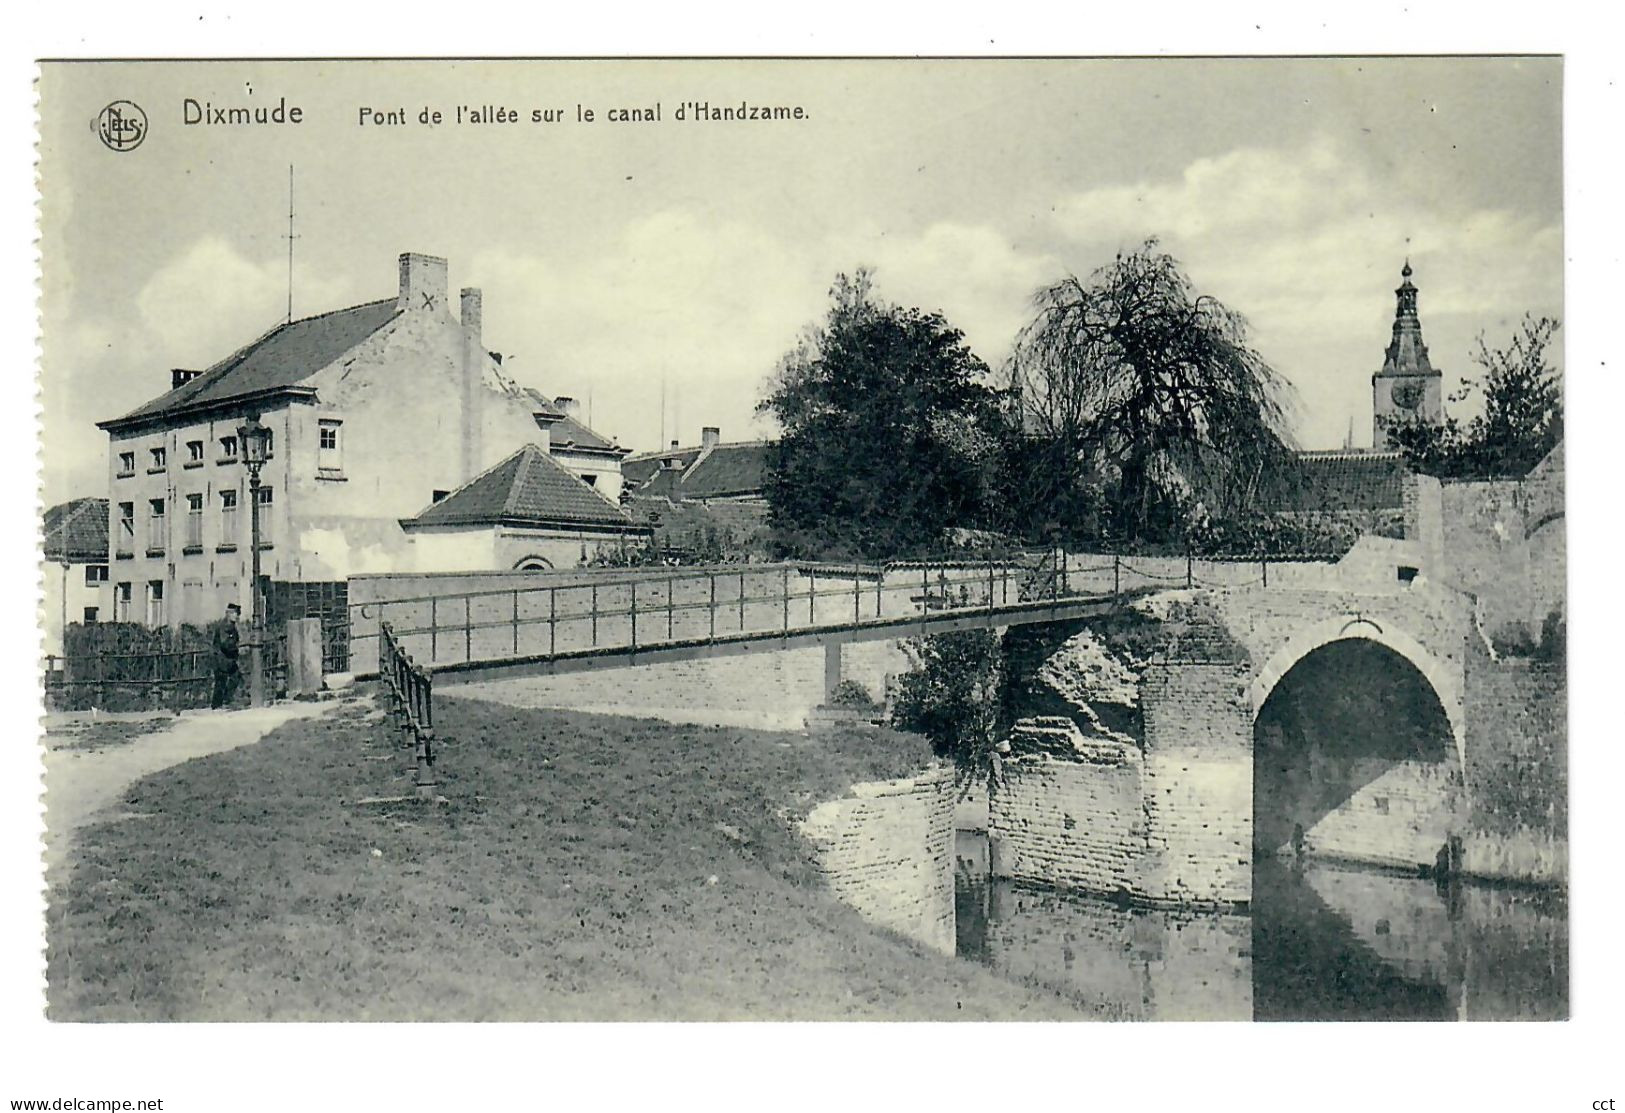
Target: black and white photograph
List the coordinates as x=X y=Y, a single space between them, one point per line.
x=900 y=539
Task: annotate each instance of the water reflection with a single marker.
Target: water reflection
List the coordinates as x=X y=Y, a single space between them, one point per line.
x=1321 y=943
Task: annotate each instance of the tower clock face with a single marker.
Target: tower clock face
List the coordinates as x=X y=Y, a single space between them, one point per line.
x=1407 y=394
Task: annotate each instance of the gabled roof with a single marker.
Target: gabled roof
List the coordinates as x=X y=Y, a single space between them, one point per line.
x=727 y=470
x=638 y=469
x=76 y=532
x=279 y=360
x=1347 y=480
x=529 y=488
x=724 y=470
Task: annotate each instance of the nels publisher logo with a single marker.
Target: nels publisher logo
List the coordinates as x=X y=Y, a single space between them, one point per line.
x=121 y=126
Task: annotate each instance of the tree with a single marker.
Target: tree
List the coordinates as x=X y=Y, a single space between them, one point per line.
x=1134 y=382
x=1521 y=421
x=953 y=695
x=884 y=417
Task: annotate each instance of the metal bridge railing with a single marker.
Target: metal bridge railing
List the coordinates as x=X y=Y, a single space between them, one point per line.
x=410 y=691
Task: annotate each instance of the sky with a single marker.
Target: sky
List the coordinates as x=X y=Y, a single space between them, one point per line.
x=621 y=262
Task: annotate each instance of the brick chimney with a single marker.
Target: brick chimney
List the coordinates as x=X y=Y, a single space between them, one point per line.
x=473 y=377
x=568 y=406
x=423 y=283
x=710 y=437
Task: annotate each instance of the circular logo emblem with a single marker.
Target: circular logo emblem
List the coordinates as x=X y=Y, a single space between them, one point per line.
x=121 y=126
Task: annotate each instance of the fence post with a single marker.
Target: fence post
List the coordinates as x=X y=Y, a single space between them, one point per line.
x=468 y=627
x=553 y=622
x=634 y=587
x=1066 y=588
x=595 y=611
x=1263 y=563
x=671 y=608
x=785 y=583
x=712 y=635
x=1117 y=574
x=812 y=597
x=1190 y=570
x=434 y=628
x=741 y=602
x=990 y=587
x=516 y=622
x=857 y=598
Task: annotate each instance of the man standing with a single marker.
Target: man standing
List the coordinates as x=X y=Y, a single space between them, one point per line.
x=226 y=638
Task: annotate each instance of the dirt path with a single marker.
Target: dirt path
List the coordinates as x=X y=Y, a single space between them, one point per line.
x=79 y=783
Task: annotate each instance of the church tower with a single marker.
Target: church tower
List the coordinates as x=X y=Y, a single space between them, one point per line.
x=1407 y=386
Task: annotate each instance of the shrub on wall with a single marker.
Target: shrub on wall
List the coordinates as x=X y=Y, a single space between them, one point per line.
x=952 y=696
x=849 y=693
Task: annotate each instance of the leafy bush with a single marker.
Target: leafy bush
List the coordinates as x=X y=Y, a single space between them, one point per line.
x=849 y=693
x=952 y=696
x=1517 y=640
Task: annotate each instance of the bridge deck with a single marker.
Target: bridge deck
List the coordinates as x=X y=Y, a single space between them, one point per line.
x=616 y=620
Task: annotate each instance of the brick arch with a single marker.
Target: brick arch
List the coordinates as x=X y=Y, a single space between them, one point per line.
x=533 y=563
x=1445 y=680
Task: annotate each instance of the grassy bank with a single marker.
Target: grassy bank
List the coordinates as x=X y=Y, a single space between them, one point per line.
x=585 y=867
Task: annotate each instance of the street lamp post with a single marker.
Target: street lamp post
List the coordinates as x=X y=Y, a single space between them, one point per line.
x=253 y=441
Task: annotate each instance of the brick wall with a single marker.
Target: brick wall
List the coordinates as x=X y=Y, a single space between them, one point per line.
x=1401 y=814
x=1071 y=824
x=1198 y=782
x=886 y=849
x=1517 y=769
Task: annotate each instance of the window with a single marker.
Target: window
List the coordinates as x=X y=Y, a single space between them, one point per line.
x=228 y=519
x=126 y=528
x=590 y=479
x=437 y=494
x=328 y=457
x=155 y=602
x=194 y=454
x=95 y=574
x=90 y=615
x=159 y=459
x=126 y=463
x=121 y=603
x=155 y=527
x=194 y=522
x=228 y=449
x=265 y=516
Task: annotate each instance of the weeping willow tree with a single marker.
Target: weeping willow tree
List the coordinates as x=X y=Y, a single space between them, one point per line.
x=1131 y=384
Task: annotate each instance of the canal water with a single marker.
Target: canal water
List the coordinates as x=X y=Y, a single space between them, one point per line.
x=1321 y=942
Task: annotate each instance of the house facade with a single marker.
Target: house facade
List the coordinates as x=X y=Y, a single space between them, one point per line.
x=374 y=411
x=76 y=573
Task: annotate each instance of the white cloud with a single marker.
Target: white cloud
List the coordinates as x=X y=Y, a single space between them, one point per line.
x=210 y=300
x=712 y=303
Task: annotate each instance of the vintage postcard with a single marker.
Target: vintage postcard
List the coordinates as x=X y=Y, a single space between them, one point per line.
x=885 y=539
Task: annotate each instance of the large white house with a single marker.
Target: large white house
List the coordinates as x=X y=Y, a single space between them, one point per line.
x=375 y=412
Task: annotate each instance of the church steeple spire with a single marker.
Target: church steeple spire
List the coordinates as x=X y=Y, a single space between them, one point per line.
x=1407 y=387
x=1406 y=354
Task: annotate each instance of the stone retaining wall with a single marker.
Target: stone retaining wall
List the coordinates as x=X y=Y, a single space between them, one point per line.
x=886 y=849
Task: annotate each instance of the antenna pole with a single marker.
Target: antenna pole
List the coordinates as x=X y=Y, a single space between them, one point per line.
x=291 y=238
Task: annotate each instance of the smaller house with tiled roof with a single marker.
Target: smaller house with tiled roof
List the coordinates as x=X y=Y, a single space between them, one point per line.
x=527 y=513
x=75 y=545
x=712 y=471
